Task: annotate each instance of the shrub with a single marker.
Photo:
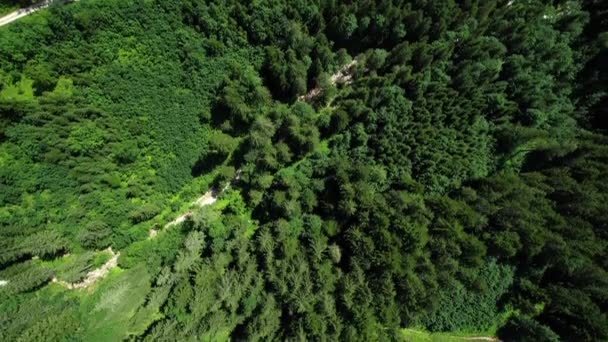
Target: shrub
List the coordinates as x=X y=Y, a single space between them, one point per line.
x=96 y=235
x=144 y=213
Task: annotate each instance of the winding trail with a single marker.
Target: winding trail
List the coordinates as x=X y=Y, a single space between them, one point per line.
x=207 y=198
x=94 y=275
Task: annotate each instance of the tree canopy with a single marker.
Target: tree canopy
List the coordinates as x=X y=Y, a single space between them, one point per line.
x=377 y=165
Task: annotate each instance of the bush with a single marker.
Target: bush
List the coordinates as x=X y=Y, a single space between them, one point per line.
x=224 y=175
x=25 y=277
x=525 y=329
x=126 y=153
x=462 y=309
x=95 y=236
x=86 y=138
x=144 y=213
x=76 y=268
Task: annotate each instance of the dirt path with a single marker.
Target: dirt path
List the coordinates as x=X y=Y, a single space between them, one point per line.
x=481 y=338
x=343 y=75
x=94 y=275
x=207 y=198
x=22 y=12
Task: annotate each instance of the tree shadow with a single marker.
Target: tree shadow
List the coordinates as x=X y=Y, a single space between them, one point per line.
x=206 y=163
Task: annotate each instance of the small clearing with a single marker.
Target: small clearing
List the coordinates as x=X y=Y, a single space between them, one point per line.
x=3 y=282
x=94 y=275
x=343 y=75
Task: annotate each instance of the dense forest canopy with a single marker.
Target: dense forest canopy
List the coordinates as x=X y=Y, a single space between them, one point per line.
x=380 y=168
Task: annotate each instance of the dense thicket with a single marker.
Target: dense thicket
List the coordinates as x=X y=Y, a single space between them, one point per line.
x=453 y=181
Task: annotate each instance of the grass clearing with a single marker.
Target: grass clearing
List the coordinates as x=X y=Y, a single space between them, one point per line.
x=110 y=309
x=419 y=335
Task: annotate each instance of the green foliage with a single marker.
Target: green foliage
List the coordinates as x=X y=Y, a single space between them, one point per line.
x=96 y=235
x=43 y=244
x=76 y=267
x=85 y=138
x=421 y=335
x=224 y=175
x=112 y=309
x=453 y=179
x=467 y=310
x=215 y=283
x=20 y=91
x=25 y=277
x=38 y=316
x=144 y=213
x=527 y=329
x=6 y=8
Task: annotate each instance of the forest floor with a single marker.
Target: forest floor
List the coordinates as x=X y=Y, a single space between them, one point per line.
x=94 y=275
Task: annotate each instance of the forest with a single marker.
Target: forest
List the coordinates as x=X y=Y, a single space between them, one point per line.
x=304 y=170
